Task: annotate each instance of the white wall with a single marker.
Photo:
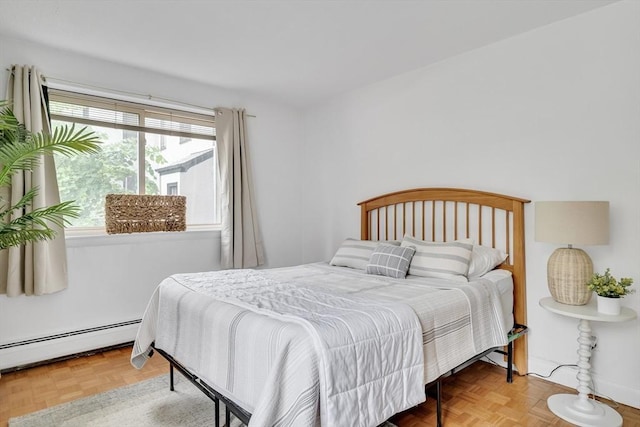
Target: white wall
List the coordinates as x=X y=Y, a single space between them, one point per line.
x=552 y=114
x=112 y=277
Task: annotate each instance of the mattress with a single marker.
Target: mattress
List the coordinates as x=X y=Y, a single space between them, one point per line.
x=504 y=283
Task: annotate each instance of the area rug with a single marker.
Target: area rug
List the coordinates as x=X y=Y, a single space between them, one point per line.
x=145 y=404
x=148 y=403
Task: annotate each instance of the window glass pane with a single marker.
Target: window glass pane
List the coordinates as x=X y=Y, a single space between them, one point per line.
x=185 y=168
x=87 y=179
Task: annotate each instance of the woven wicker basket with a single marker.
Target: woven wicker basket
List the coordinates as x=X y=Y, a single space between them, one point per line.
x=129 y=213
x=568 y=272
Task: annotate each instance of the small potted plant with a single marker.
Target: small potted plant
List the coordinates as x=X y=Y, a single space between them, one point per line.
x=609 y=291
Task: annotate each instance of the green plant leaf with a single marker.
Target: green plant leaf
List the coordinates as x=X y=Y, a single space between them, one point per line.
x=22 y=203
x=21 y=150
x=608 y=286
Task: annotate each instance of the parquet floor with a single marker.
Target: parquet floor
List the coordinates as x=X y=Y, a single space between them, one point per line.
x=480 y=396
x=37 y=388
x=477 y=396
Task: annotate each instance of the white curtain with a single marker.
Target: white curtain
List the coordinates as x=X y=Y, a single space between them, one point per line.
x=34 y=268
x=241 y=246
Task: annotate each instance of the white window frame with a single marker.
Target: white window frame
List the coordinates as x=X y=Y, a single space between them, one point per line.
x=143 y=110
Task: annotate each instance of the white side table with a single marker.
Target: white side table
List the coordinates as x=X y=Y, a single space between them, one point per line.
x=579 y=409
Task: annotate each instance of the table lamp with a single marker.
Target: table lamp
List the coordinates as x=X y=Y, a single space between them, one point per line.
x=572 y=223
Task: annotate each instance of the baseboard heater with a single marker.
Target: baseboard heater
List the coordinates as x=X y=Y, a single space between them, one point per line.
x=22 y=343
x=68 y=334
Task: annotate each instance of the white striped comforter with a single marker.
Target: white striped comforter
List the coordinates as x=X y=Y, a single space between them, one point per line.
x=266 y=361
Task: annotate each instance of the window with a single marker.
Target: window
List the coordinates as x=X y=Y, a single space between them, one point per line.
x=145 y=150
x=172 y=188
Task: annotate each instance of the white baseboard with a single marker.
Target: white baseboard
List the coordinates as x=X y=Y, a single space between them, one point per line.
x=603 y=388
x=65 y=346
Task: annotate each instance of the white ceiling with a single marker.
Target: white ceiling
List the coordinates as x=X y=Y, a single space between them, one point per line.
x=299 y=52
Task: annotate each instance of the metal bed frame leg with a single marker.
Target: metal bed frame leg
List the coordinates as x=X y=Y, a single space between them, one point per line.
x=438 y=396
x=231 y=407
x=515 y=333
x=510 y=362
x=216 y=401
x=439 y=403
x=171 y=377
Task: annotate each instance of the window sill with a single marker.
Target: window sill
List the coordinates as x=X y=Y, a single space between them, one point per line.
x=98 y=236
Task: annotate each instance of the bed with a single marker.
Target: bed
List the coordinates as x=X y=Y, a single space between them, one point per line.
x=332 y=345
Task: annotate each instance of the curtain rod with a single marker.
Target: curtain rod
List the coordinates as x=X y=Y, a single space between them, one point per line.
x=126 y=93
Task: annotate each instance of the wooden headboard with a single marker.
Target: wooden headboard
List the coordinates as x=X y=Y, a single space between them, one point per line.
x=447 y=214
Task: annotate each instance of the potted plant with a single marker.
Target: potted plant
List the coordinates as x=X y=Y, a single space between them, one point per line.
x=609 y=291
x=20 y=150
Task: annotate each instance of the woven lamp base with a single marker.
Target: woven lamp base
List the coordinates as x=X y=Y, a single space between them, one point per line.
x=568 y=271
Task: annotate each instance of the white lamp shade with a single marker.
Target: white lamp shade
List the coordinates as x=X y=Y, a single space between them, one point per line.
x=572 y=223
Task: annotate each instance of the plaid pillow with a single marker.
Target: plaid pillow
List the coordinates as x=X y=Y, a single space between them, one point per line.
x=392 y=261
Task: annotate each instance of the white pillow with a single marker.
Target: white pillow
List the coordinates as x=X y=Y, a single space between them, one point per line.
x=484 y=259
x=355 y=253
x=446 y=260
